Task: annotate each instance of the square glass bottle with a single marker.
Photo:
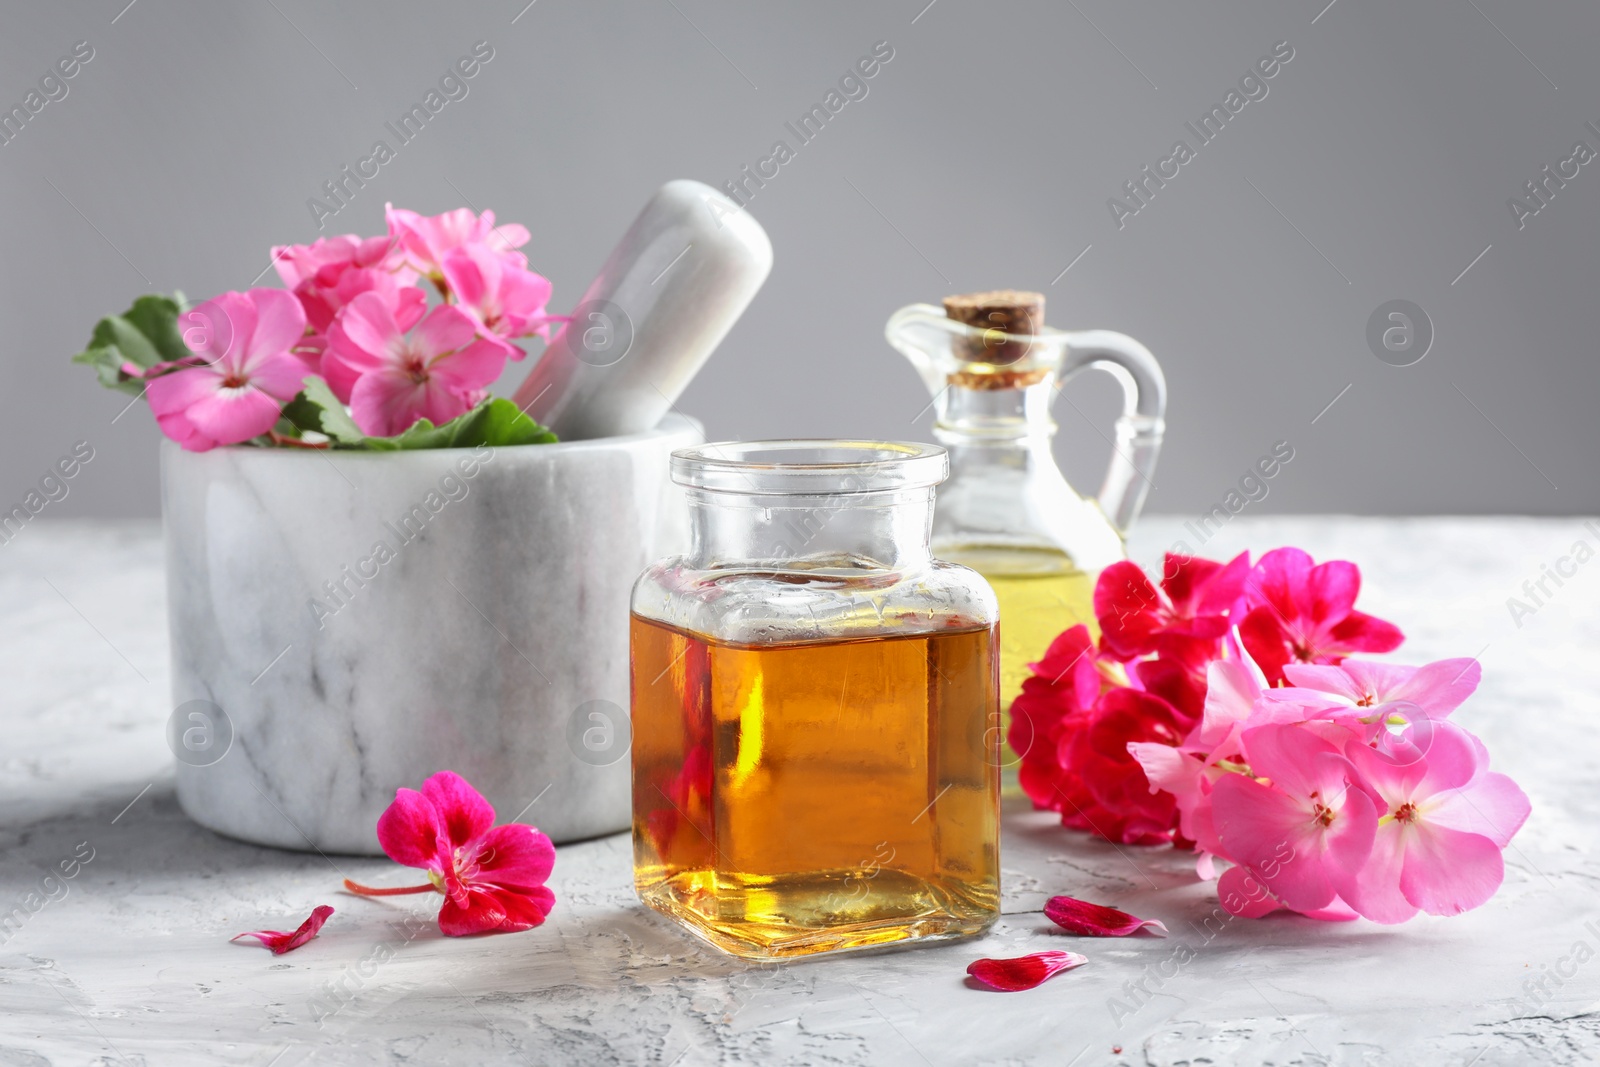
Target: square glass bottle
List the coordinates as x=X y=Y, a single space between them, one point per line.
x=815 y=707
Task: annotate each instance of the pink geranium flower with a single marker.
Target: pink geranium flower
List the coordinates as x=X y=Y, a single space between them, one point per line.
x=1185 y=624
x=1375 y=698
x=345 y=360
x=1242 y=893
x=327 y=257
x=1300 y=612
x=245 y=370
x=329 y=273
x=1212 y=748
x=281 y=941
x=1445 y=819
x=501 y=294
x=426 y=240
x=1299 y=821
x=438 y=371
x=492 y=877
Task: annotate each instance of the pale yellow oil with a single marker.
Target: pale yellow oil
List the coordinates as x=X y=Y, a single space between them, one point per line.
x=1041 y=592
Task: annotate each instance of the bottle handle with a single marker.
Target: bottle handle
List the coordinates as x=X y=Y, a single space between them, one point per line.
x=1143 y=420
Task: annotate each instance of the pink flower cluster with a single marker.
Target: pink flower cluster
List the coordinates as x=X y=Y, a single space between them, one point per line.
x=1334 y=787
x=355 y=315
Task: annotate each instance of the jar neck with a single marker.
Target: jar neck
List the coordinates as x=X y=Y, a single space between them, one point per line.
x=998 y=424
x=849 y=531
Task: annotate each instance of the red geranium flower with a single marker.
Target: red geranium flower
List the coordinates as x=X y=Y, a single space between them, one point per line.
x=1302 y=612
x=1185 y=624
x=1072 y=728
x=1181 y=684
x=1103 y=788
x=492 y=877
x=1064 y=684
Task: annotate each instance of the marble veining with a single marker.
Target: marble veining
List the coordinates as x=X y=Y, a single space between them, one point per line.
x=362 y=620
x=128 y=961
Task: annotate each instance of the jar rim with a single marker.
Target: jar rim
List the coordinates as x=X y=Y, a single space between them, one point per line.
x=810 y=466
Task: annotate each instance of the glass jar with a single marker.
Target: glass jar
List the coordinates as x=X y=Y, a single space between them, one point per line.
x=815 y=707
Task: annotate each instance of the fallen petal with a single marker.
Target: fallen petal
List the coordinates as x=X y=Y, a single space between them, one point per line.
x=1023 y=972
x=280 y=942
x=1096 y=920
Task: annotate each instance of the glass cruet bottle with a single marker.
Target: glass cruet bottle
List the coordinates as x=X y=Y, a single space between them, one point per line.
x=815 y=707
x=994 y=368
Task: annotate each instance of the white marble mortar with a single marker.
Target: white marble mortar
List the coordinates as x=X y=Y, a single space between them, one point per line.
x=490 y=638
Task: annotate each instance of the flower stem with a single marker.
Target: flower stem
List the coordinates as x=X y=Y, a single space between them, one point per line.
x=374 y=891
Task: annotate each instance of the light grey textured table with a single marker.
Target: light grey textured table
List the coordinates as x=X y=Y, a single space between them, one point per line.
x=133 y=965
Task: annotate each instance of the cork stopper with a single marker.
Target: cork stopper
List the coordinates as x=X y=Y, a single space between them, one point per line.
x=998 y=312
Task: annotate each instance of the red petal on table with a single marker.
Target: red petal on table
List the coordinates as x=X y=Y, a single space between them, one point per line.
x=280 y=942
x=1096 y=920
x=1023 y=972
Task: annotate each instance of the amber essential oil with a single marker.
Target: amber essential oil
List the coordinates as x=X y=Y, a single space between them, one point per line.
x=812 y=796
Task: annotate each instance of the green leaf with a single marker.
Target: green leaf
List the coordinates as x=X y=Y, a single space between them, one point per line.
x=496 y=422
x=156 y=318
x=107 y=362
x=421 y=434
x=499 y=423
x=316 y=408
x=146 y=334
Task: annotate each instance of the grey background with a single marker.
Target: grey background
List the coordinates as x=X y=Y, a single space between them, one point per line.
x=1378 y=167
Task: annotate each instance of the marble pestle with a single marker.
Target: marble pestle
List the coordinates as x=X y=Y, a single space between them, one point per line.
x=667 y=295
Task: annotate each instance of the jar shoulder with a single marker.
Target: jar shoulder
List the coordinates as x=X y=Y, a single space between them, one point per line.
x=748 y=605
